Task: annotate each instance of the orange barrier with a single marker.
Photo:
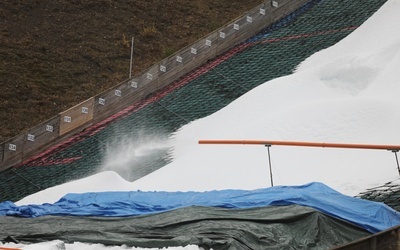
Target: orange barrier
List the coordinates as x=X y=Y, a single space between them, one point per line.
x=393 y=148
x=304 y=144
x=9 y=248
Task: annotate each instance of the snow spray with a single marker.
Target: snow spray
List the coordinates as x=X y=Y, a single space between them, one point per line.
x=136 y=155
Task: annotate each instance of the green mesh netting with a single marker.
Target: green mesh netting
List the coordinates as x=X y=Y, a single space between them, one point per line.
x=274 y=52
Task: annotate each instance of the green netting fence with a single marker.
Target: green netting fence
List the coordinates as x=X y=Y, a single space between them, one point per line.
x=274 y=52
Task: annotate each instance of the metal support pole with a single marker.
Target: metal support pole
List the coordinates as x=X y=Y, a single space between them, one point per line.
x=397 y=159
x=130 y=67
x=270 y=165
x=268 y=144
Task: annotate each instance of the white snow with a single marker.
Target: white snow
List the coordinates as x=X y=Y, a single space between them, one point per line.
x=60 y=245
x=348 y=93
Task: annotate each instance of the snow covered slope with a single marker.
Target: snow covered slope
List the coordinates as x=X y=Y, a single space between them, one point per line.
x=348 y=93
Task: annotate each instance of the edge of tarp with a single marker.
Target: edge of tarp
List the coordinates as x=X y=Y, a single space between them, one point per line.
x=372 y=216
x=277 y=227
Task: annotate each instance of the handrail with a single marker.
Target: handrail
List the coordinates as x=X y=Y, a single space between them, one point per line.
x=392 y=148
x=304 y=144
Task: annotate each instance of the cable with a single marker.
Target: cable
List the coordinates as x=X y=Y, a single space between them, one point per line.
x=38 y=187
x=178 y=115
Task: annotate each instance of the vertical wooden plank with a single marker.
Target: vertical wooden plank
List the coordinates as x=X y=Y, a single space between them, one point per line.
x=13 y=149
x=284 y=8
x=76 y=116
x=125 y=94
x=41 y=135
x=1 y=152
x=384 y=240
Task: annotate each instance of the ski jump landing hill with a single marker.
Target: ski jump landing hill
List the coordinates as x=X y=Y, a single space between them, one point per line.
x=267 y=42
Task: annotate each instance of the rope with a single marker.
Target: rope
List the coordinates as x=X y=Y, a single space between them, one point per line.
x=22 y=177
x=178 y=115
x=230 y=80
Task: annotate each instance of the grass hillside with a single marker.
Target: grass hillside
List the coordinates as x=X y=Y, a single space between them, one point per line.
x=57 y=53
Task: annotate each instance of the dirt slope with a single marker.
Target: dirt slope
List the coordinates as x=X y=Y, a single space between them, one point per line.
x=57 y=53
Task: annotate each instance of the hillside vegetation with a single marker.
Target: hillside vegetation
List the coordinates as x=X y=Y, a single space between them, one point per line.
x=57 y=53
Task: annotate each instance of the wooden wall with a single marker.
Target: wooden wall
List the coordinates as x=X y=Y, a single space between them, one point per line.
x=386 y=240
x=161 y=74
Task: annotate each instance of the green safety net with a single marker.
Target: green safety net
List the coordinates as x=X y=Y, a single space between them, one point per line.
x=274 y=52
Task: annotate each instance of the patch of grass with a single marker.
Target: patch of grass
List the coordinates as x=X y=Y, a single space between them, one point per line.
x=149 y=31
x=125 y=42
x=168 y=51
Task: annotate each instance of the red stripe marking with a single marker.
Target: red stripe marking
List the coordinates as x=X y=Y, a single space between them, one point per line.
x=287 y=38
x=42 y=158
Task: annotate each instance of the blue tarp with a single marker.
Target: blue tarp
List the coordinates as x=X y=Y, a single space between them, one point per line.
x=372 y=216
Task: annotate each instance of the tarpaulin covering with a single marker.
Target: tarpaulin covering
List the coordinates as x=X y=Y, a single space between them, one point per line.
x=371 y=216
x=273 y=227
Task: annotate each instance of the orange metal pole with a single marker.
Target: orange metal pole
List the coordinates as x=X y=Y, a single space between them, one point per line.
x=304 y=144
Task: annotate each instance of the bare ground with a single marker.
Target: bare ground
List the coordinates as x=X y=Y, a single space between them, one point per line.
x=57 y=53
